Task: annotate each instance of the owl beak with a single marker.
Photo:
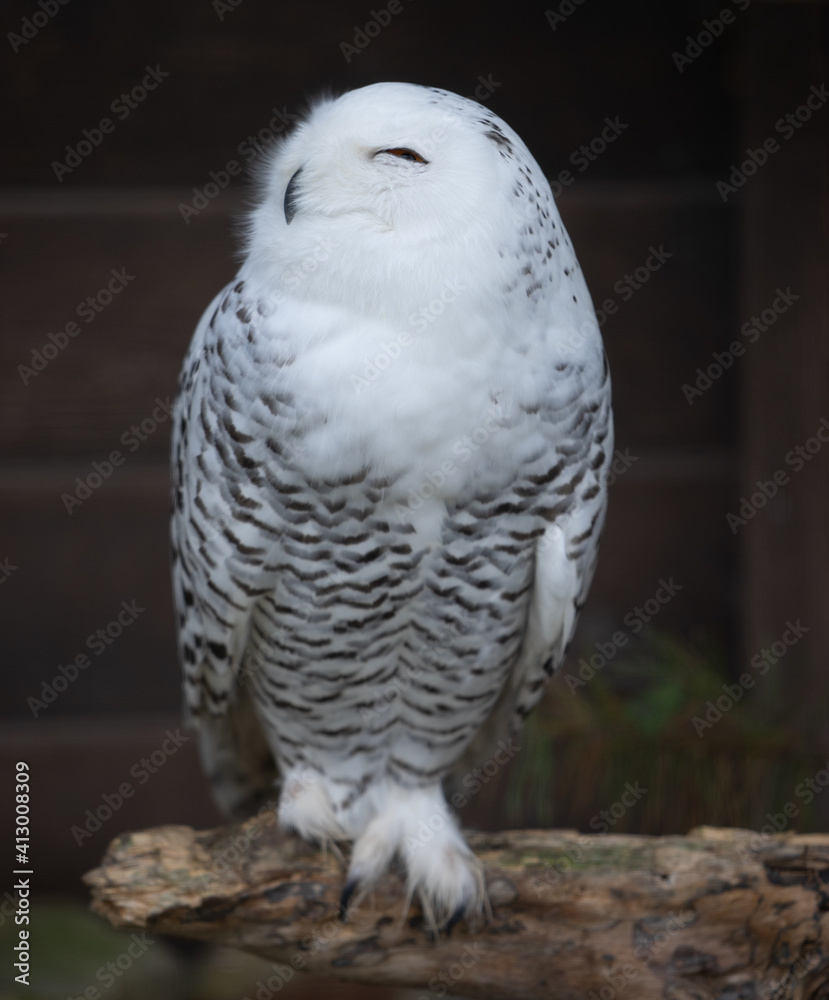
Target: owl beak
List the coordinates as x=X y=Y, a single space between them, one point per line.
x=291 y=194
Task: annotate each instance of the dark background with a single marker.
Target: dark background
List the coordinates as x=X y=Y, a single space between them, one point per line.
x=655 y=186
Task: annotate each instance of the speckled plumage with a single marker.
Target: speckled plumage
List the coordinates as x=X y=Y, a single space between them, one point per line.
x=389 y=464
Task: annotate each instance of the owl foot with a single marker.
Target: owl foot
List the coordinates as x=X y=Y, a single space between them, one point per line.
x=305 y=808
x=345 y=897
x=416 y=826
x=448 y=880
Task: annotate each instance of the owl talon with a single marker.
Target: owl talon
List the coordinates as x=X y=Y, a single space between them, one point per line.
x=454 y=919
x=345 y=897
x=433 y=933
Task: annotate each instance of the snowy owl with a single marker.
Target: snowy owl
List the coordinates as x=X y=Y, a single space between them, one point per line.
x=389 y=480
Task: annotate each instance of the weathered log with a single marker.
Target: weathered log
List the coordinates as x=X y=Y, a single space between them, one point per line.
x=720 y=913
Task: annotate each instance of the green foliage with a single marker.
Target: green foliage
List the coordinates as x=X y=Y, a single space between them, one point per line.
x=77 y=954
x=634 y=721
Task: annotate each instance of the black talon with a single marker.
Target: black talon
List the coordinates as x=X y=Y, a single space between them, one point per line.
x=456 y=916
x=345 y=897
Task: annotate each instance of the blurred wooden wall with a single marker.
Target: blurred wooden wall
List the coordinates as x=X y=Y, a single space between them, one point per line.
x=785 y=386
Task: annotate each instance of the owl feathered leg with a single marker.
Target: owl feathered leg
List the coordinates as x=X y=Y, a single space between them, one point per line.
x=417 y=825
x=306 y=808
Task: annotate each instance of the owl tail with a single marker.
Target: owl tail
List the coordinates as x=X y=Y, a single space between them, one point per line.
x=236 y=758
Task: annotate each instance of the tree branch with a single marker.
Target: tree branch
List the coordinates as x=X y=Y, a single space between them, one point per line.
x=719 y=913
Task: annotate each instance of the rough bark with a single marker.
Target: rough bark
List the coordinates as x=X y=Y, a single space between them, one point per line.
x=725 y=914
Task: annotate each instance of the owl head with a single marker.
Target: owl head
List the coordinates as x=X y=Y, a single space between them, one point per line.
x=401 y=183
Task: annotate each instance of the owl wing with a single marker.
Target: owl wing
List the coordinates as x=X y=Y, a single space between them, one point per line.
x=566 y=555
x=565 y=561
x=219 y=549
